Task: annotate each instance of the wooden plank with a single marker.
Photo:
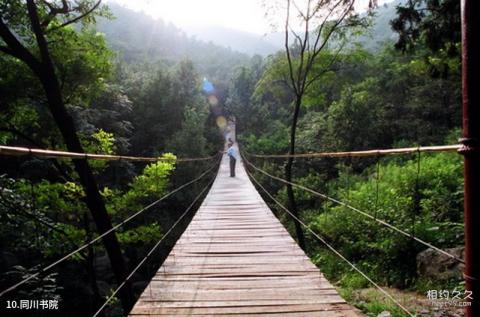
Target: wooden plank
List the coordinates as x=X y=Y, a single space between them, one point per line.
x=343 y=313
x=252 y=309
x=245 y=285
x=201 y=295
x=151 y=303
x=236 y=259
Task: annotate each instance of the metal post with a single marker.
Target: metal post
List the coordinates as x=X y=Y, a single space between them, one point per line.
x=470 y=12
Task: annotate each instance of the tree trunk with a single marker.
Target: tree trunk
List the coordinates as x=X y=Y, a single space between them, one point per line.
x=45 y=72
x=44 y=69
x=292 y=205
x=93 y=198
x=90 y=267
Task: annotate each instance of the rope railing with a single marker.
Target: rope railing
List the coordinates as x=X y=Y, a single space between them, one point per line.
x=21 y=151
x=329 y=246
x=153 y=249
x=363 y=213
x=114 y=228
x=376 y=152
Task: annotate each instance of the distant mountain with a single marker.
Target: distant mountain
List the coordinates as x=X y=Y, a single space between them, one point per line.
x=244 y=42
x=249 y=43
x=138 y=37
x=381 y=32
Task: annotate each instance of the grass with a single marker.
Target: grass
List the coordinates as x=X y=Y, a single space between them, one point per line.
x=372 y=302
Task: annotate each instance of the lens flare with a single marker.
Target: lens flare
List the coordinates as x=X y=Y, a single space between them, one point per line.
x=208 y=86
x=212 y=100
x=221 y=122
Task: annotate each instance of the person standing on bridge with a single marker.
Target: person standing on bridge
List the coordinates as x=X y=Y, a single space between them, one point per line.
x=232 y=153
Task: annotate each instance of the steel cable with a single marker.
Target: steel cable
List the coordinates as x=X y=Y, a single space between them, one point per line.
x=332 y=248
x=366 y=214
x=376 y=152
x=153 y=249
x=18 y=151
x=46 y=268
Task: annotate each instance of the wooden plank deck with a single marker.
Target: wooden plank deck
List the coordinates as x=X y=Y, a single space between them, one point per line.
x=236 y=259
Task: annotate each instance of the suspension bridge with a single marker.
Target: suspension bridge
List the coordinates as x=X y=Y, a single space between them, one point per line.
x=235 y=257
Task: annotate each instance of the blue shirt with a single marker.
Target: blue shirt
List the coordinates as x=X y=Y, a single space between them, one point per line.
x=232 y=152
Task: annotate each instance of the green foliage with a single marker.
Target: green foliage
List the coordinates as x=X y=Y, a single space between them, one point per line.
x=46 y=220
x=39 y=286
x=170 y=111
x=365 y=101
x=150 y=233
x=392 y=99
x=241 y=103
x=139 y=38
x=144 y=188
x=435 y=204
x=81 y=57
x=273 y=141
x=84 y=64
x=433 y=27
x=100 y=142
x=153 y=180
x=146 y=99
x=189 y=140
x=377 y=304
x=437 y=23
x=105 y=142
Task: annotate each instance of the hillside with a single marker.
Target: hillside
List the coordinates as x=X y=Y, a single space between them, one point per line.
x=150 y=105
x=244 y=42
x=136 y=37
x=380 y=31
x=248 y=43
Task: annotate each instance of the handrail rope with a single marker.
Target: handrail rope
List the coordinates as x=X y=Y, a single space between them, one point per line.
x=18 y=151
x=366 y=214
x=106 y=232
x=377 y=179
x=154 y=248
x=332 y=248
x=376 y=152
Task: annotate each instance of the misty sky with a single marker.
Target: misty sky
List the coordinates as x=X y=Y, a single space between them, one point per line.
x=245 y=15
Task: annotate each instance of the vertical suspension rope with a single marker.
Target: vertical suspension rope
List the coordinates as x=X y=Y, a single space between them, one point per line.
x=329 y=246
x=347 y=172
x=116 y=167
x=152 y=250
x=348 y=179
x=377 y=179
x=416 y=208
x=416 y=194
x=359 y=211
x=32 y=208
x=46 y=268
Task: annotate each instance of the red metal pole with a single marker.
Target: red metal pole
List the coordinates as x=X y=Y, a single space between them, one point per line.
x=470 y=13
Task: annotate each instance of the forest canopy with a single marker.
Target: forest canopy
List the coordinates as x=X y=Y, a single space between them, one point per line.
x=95 y=77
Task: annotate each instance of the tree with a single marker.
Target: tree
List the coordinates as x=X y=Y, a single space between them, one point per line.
x=240 y=91
x=435 y=22
x=432 y=24
x=321 y=21
x=191 y=113
x=31 y=45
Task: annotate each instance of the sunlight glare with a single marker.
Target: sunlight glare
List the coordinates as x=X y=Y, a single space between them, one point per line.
x=221 y=122
x=246 y=15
